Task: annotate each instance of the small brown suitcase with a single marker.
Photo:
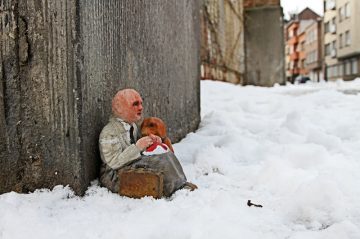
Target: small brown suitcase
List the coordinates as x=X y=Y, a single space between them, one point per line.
x=138 y=183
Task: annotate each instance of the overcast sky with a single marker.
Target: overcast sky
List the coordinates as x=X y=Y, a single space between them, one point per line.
x=298 y=5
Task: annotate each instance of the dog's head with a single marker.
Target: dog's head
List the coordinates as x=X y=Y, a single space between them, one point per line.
x=153 y=125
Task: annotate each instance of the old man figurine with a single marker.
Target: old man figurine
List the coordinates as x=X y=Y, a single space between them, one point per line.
x=120 y=148
x=118 y=142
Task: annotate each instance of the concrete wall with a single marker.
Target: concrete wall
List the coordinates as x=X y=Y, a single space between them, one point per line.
x=264 y=46
x=62 y=61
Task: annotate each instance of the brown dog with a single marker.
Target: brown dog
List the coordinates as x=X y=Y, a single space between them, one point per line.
x=156 y=126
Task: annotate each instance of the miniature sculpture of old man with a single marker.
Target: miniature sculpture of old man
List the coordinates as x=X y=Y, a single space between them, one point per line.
x=121 y=147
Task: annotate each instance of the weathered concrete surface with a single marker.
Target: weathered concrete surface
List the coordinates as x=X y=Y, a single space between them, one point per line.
x=62 y=61
x=264 y=46
x=222 y=40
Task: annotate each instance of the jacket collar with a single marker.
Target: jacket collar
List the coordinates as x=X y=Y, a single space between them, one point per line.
x=125 y=125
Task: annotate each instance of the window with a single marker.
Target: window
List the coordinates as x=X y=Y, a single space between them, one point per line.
x=347 y=10
x=292 y=33
x=335 y=71
x=354 y=66
x=311 y=57
x=328 y=72
x=341 y=14
x=311 y=36
x=333 y=49
x=327 y=27
x=330 y=4
x=331 y=71
x=333 y=25
x=327 y=49
x=347 y=38
x=341 y=69
x=333 y=45
x=347 y=68
x=341 y=40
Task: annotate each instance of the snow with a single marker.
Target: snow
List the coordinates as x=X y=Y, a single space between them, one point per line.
x=293 y=149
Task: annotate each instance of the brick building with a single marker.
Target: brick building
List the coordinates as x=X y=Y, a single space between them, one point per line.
x=298 y=62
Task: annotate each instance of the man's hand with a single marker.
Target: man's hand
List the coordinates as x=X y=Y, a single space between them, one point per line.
x=155 y=138
x=146 y=141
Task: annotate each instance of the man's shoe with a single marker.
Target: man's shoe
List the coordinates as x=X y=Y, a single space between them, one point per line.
x=190 y=186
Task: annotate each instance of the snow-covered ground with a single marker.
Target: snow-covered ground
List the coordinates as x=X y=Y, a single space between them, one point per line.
x=293 y=149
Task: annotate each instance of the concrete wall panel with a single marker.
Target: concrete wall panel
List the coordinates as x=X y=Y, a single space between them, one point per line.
x=62 y=61
x=264 y=51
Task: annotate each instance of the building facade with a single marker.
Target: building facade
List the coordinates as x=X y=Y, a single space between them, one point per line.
x=303 y=40
x=314 y=50
x=342 y=39
x=292 y=55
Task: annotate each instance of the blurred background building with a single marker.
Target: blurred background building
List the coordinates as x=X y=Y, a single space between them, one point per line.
x=242 y=41
x=303 y=37
x=342 y=39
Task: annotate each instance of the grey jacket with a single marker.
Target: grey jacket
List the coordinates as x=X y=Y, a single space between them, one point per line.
x=116 y=151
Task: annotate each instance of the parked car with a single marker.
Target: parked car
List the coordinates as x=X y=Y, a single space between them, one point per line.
x=301 y=79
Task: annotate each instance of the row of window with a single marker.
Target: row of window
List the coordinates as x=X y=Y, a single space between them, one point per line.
x=349 y=67
x=344 y=12
x=344 y=41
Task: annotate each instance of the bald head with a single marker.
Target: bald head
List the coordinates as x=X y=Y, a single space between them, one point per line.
x=127 y=105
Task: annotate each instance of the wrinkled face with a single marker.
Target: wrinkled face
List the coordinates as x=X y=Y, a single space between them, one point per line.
x=127 y=104
x=153 y=125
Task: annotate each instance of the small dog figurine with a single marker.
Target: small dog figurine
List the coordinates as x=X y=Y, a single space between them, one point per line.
x=156 y=126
